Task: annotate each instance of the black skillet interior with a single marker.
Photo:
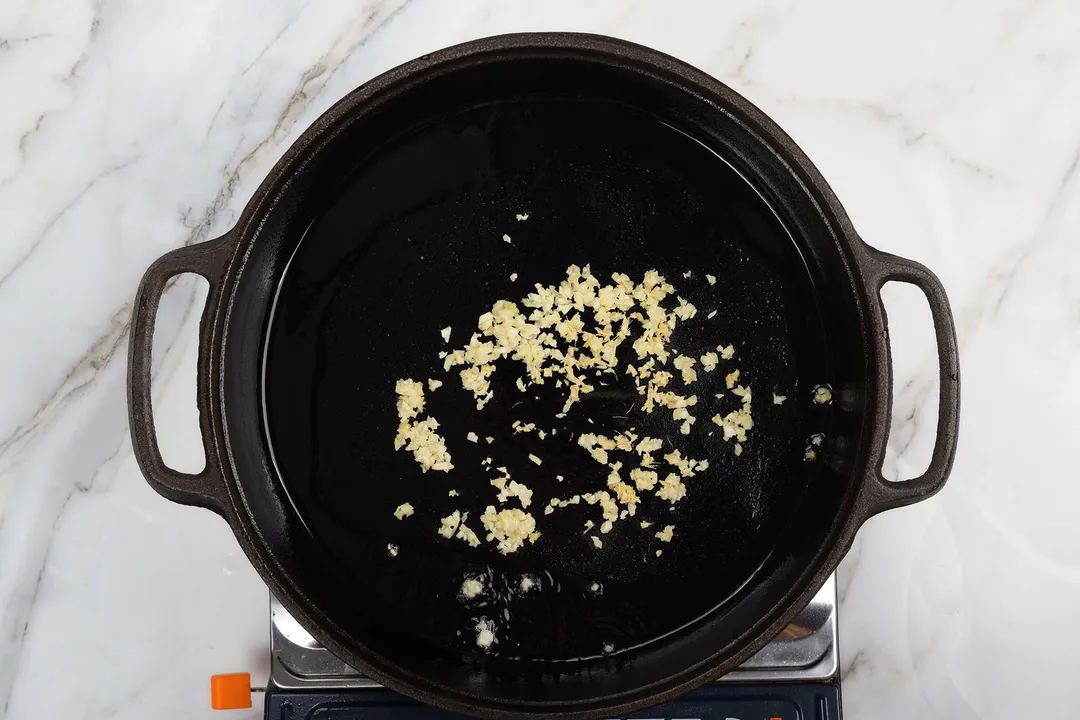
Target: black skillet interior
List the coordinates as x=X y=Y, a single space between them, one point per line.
x=395 y=231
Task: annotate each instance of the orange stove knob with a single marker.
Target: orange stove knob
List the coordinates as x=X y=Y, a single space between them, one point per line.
x=230 y=691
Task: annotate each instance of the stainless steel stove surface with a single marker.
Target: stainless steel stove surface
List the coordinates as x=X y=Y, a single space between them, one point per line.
x=800 y=667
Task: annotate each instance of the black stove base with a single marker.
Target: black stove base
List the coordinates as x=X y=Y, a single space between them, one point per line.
x=787 y=701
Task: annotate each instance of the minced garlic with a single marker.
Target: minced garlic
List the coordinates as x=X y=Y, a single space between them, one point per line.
x=419 y=437
x=506 y=238
x=485 y=633
x=472 y=587
x=449 y=524
x=509 y=528
x=434 y=384
x=521 y=217
x=597 y=542
x=392 y=550
x=649 y=445
x=644 y=480
x=445 y=332
x=671 y=489
x=685 y=310
x=778 y=399
x=687 y=467
x=465 y=533
x=403 y=511
x=666 y=534
x=570 y=335
x=512 y=489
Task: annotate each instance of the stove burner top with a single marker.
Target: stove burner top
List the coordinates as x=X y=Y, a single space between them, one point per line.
x=805 y=652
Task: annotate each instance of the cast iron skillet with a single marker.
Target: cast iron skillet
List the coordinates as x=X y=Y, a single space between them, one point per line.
x=383 y=224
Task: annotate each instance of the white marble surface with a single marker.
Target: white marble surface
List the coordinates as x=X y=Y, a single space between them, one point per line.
x=951 y=131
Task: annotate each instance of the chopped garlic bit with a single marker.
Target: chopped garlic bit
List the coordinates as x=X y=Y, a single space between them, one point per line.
x=709 y=361
x=738 y=449
x=644 y=480
x=489 y=439
x=485 y=633
x=454 y=526
x=666 y=534
x=686 y=366
x=597 y=542
x=526 y=584
x=687 y=467
x=445 y=332
x=711 y=279
x=509 y=528
x=449 y=524
x=472 y=437
x=731 y=378
x=419 y=437
x=465 y=533
x=512 y=489
x=726 y=352
x=506 y=238
x=822 y=395
x=685 y=310
x=711 y=315
x=452 y=493
x=645 y=524
x=520 y=427
x=434 y=384
x=404 y=510
x=778 y=399
x=688 y=274
x=659 y=553
x=521 y=217
x=671 y=489
x=472 y=587
x=649 y=445
x=392 y=550
x=513 y=277
x=535 y=459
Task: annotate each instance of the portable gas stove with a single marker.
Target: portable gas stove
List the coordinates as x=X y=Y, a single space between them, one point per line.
x=795 y=677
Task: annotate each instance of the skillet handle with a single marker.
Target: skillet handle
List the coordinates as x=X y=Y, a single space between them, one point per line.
x=205 y=488
x=882 y=494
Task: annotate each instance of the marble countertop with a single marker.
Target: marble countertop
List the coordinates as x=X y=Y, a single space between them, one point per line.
x=951 y=132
